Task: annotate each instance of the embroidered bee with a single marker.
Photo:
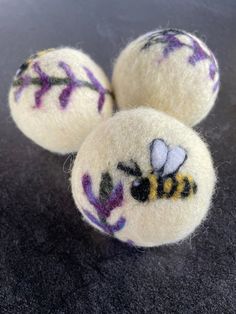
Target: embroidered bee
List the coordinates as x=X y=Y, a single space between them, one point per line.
x=164 y=180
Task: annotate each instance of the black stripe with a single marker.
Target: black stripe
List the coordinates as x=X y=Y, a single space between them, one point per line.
x=160 y=187
x=173 y=188
x=187 y=188
x=194 y=187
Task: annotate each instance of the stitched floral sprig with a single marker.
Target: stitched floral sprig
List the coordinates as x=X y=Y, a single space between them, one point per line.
x=172 y=43
x=46 y=82
x=109 y=199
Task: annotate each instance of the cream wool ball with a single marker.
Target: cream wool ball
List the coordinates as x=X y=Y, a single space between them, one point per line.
x=58 y=96
x=143 y=177
x=170 y=70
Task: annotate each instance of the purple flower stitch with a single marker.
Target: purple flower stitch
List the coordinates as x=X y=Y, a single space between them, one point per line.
x=172 y=43
x=72 y=84
x=25 y=81
x=46 y=82
x=101 y=90
x=109 y=198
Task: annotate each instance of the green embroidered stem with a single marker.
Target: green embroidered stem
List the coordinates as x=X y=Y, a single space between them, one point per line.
x=58 y=81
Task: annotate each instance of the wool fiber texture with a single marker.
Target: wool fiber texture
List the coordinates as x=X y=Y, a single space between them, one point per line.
x=170 y=70
x=58 y=96
x=144 y=178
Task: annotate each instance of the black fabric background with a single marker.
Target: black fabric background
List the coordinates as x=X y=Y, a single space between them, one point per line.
x=50 y=261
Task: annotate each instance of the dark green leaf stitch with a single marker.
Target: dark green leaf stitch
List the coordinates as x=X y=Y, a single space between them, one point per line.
x=106 y=186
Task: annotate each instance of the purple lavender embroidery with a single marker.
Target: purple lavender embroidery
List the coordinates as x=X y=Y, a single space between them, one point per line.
x=73 y=83
x=110 y=229
x=70 y=81
x=172 y=43
x=198 y=53
x=25 y=81
x=213 y=69
x=45 y=82
x=104 y=207
x=101 y=90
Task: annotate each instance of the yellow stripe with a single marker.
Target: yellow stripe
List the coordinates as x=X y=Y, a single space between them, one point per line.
x=190 y=179
x=180 y=187
x=153 y=187
x=168 y=185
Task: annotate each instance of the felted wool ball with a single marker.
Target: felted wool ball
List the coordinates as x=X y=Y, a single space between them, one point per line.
x=170 y=70
x=144 y=178
x=58 y=96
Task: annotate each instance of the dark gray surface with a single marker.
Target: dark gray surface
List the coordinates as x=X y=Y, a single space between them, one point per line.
x=50 y=261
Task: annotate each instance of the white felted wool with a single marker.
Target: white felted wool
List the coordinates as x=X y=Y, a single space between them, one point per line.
x=169 y=70
x=58 y=96
x=143 y=177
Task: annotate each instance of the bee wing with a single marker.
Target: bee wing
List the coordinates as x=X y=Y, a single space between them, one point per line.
x=158 y=154
x=175 y=158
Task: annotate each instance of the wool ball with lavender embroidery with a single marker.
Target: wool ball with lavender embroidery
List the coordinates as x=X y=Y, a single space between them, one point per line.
x=170 y=70
x=150 y=188
x=58 y=96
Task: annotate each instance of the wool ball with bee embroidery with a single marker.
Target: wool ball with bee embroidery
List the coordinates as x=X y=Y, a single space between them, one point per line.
x=144 y=178
x=170 y=70
x=58 y=96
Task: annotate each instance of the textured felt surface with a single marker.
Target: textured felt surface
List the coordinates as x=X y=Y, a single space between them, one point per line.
x=50 y=261
x=170 y=70
x=135 y=209
x=58 y=117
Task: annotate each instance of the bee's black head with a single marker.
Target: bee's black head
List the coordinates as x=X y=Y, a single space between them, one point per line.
x=140 y=189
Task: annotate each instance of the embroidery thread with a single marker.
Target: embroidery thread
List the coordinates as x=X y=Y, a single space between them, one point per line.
x=164 y=180
x=110 y=197
x=46 y=82
x=30 y=60
x=172 y=43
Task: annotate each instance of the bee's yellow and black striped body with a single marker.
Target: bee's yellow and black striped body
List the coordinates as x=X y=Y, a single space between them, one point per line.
x=164 y=181
x=176 y=186
x=153 y=187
